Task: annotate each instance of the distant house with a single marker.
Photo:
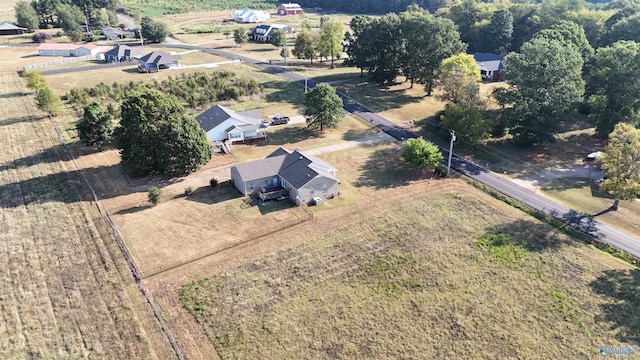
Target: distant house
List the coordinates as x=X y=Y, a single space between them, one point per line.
x=250 y=16
x=303 y=178
x=122 y=53
x=115 y=34
x=290 y=9
x=222 y=124
x=158 y=60
x=7 y=28
x=66 y=49
x=490 y=66
x=263 y=33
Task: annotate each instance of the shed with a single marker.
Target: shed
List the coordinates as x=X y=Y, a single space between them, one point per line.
x=290 y=9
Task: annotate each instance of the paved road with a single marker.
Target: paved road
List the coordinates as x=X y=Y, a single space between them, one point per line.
x=582 y=222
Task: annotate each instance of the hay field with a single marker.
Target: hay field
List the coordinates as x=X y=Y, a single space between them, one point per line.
x=439 y=269
x=66 y=292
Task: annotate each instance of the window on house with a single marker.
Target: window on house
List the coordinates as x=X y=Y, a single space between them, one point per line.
x=250 y=186
x=235 y=135
x=324 y=187
x=266 y=182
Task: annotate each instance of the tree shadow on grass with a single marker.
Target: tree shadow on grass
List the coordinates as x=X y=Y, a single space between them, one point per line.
x=14 y=95
x=276 y=206
x=133 y=210
x=578 y=221
x=529 y=235
x=50 y=155
x=563 y=184
x=283 y=91
x=622 y=288
x=385 y=168
x=21 y=119
x=354 y=134
x=209 y=196
x=289 y=135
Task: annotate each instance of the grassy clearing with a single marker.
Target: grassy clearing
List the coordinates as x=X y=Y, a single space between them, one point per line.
x=164 y=7
x=583 y=195
x=66 y=291
x=427 y=269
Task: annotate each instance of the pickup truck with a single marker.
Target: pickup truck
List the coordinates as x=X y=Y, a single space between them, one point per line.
x=278 y=119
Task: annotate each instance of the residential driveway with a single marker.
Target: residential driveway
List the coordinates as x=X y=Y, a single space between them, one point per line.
x=299 y=119
x=534 y=181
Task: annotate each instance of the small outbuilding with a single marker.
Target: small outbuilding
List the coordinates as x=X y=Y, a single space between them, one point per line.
x=490 y=66
x=7 y=28
x=250 y=16
x=290 y=9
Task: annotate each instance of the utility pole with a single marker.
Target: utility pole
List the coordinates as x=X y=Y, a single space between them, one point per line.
x=453 y=138
x=233 y=51
x=306 y=76
x=285 y=47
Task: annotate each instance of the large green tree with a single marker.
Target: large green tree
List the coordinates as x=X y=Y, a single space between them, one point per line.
x=156 y=135
x=545 y=84
x=240 y=36
x=501 y=30
x=421 y=153
x=304 y=47
x=27 y=16
x=95 y=127
x=323 y=107
x=153 y=31
x=70 y=19
x=378 y=48
x=459 y=76
x=569 y=33
x=620 y=161
x=615 y=82
x=330 y=46
x=471 y=125
x=427 y=41
x=35 y=80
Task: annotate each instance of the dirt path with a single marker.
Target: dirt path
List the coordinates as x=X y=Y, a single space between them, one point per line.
x=534 y=181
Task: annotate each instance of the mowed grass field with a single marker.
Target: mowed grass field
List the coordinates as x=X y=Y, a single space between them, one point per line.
x=423 y=270
x=66 y=292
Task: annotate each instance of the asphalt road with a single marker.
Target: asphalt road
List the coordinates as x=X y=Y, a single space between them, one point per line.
x=581 y=222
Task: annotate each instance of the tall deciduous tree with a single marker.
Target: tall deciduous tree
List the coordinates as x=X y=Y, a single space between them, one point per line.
x=278 y=37
x=469 y=124
x=304 y=47
x=330 y=45
x=569 y=33
x=323 y=107
x=378 y=49
x=240 y=36
x=26 y=16
x=459 y=76
x=501 y=30
x=620 y=161
x=95 y=127
x=35 y=80
x=156 y=135
x=153 y=31
x=545 y=81
x=48 y=101
x=615 y=80
x=427 y=41
x=421 y=153
x=70 y=18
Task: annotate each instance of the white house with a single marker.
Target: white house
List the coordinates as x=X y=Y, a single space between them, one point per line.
x=61 y=49
x=490 y=66
x=250 y=16
x=221 y=123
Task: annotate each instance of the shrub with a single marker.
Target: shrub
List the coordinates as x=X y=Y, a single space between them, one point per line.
x=41 y=37
x=154 y=195
x=188 y=190
x=213 y=182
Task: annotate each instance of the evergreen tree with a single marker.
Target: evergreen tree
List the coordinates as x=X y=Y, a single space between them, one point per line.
x=95 y=127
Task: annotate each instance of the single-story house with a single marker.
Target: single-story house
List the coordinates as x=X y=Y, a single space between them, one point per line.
x=7 y=28
x=115 y=34
x=66 y=49
x=301 y=177
x=263 y=33
x=290 y=9
x=221 y=124
x=250 y=16
x=157 y=60
x=490 y=66
x=122 y=53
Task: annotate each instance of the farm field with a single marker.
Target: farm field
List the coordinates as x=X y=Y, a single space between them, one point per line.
x=163 y=7
x=420 y=269
x=66 y=290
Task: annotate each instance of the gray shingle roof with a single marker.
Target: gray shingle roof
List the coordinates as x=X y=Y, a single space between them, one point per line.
x=216 y=115
x=122 y=51
x=292 y=166
x=159 y=57
x=10 y=26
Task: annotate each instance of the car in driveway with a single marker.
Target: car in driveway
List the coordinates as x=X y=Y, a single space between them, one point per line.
x=278 y=119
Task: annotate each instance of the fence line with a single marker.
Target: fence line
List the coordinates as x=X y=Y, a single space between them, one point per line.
x=120 y=242
x=308 y=215
x=89 y=67
x=68 y=60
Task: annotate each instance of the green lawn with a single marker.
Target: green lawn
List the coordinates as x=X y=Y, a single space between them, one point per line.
x=583 y=195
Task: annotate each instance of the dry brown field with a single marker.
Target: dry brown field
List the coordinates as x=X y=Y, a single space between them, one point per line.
x=66 y=290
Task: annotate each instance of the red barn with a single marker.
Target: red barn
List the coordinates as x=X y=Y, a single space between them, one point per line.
x=290 y=9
